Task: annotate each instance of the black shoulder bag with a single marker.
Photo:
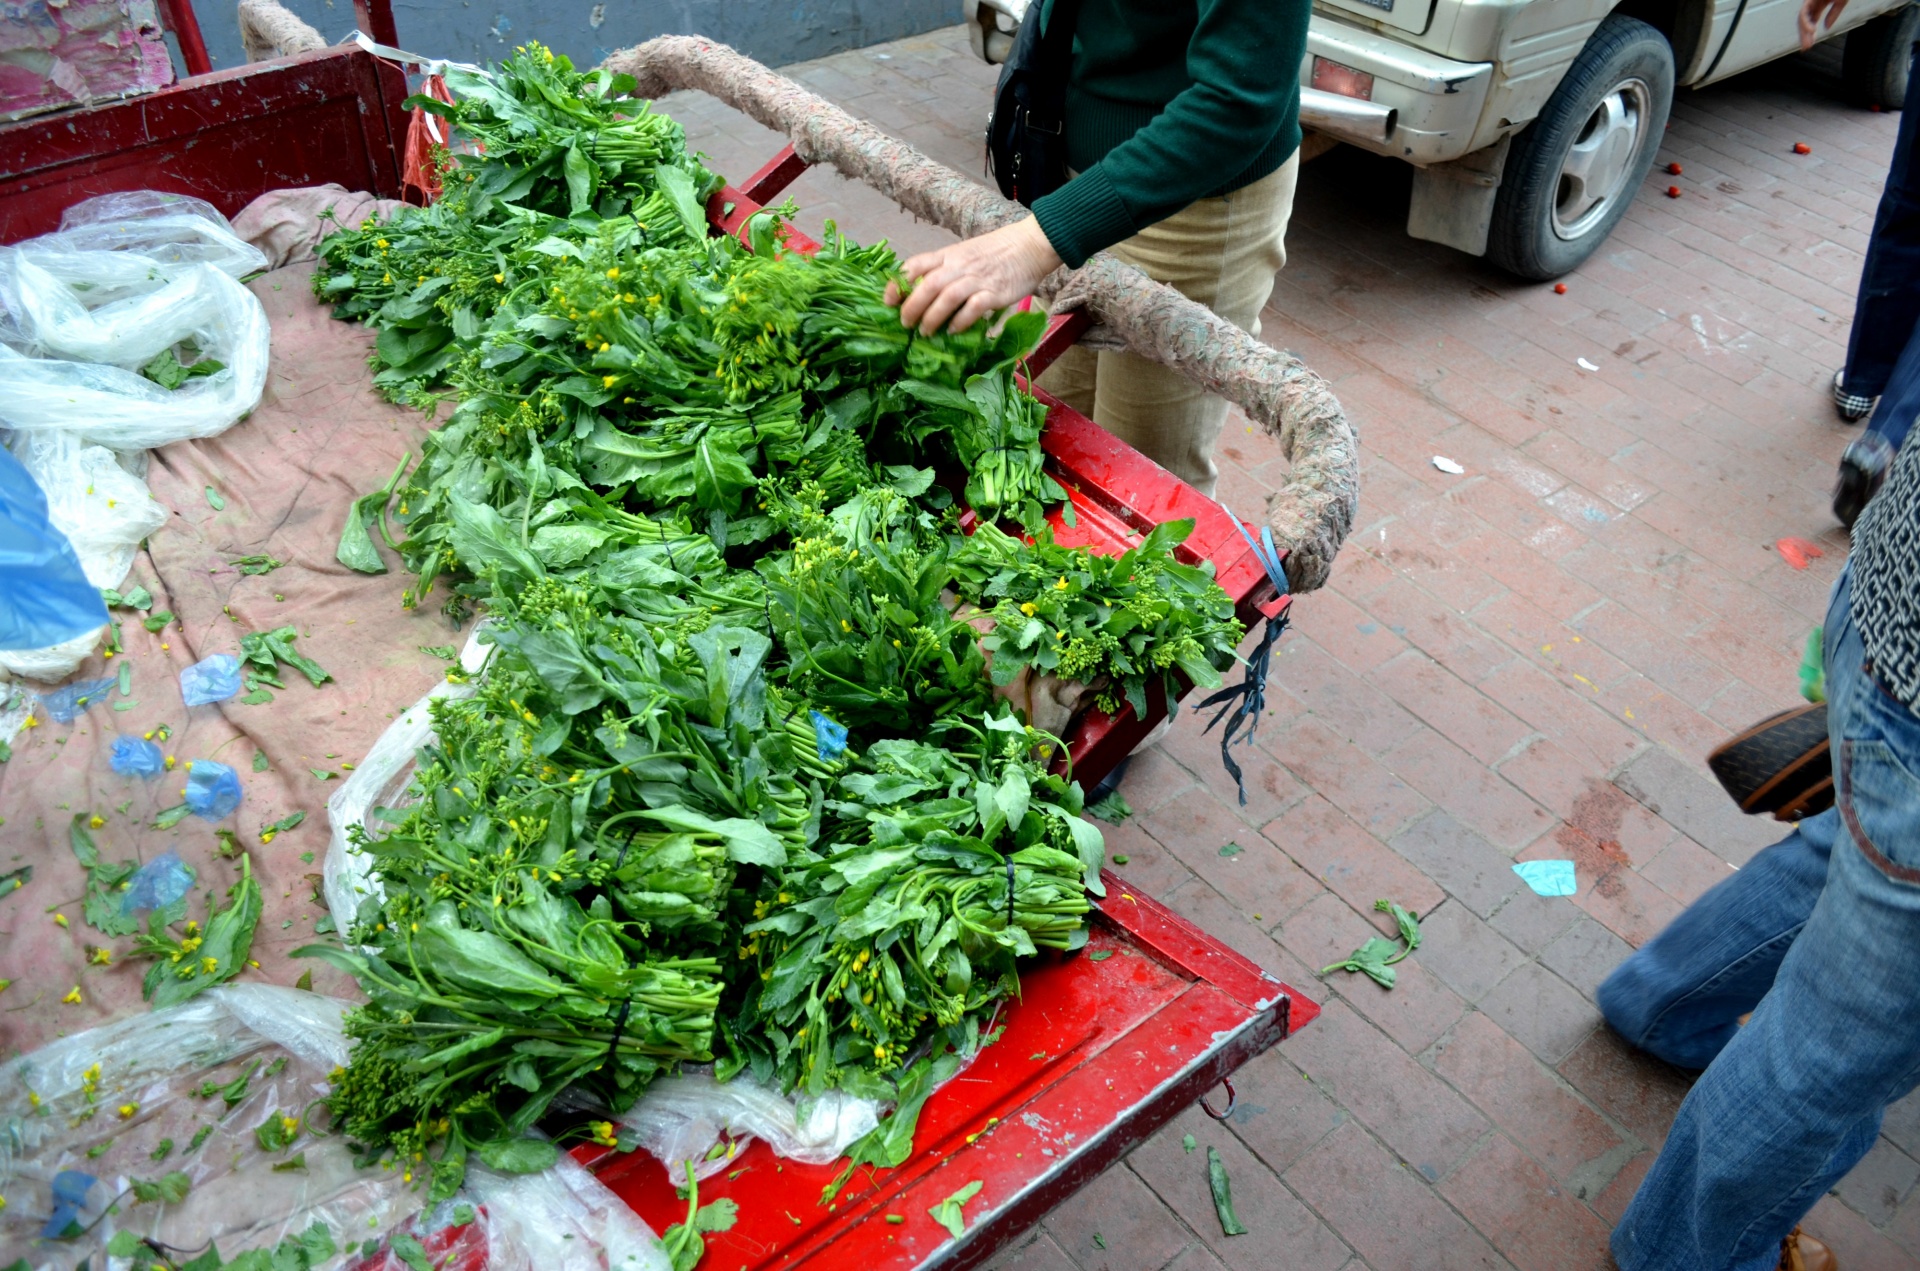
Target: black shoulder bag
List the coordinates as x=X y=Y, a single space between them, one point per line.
x=1026 y=134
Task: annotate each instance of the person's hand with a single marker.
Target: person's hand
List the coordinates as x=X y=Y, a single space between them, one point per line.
x=969 y=280
x=1811 y=14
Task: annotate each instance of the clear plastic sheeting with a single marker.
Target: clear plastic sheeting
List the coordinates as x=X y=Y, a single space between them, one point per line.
x=380 y=780
x=110 y=332
x=129 y=277
x=223 y=1089
x=682 y=1117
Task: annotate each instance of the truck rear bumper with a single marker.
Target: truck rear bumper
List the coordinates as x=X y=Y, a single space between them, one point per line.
x=1425 y=108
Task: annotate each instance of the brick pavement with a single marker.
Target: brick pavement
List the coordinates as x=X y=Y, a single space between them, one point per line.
x=1528 y=661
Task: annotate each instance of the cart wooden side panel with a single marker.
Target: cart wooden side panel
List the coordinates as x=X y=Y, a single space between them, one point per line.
x=329 y=116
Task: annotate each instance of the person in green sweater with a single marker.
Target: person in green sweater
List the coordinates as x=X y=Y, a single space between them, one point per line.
x=1183 y=133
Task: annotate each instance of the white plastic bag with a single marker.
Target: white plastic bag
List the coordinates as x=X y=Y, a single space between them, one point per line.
x=127 y=277
x=97 y=498
x=681 y=1117
x=380 y=780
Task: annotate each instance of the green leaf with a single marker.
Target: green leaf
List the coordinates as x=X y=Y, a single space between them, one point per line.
x=168 y=1189
x=518 y=1156
x=298 y=1161
x=355 y=549
x=168 y=372
x=265 y=650
x=259 y=697
x=228 y=941
x=277 y=1132
x=259 y=761
x=1375 y=959
x=256 y=565
x=1231 y=850
x=215 y=501
x=1222 y=1194
x=13 y=880
x=1404 y=919
x=410 y=1251
x=948 y=1212
x=322 y=774
x=1113 y=809
x=1100 y=955
x=157 y=620
x=580 y=179
x=1188 y=1142
x=167 y=818
x=123 y=1245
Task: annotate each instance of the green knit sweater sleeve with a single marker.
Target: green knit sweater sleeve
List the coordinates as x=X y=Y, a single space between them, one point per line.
x=1241 y=107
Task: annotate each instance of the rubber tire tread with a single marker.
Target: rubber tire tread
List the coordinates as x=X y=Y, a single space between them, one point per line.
x=1874 y=64
x=1521 y=238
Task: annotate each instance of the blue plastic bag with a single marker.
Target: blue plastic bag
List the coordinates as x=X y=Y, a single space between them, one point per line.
x=211 y=679
x=213 y=790
x=64 y=705
x=70 y=1188
x=829 y=738
x=158 y=883
x=136 y=757
x=45 y=597
x=1549 y=878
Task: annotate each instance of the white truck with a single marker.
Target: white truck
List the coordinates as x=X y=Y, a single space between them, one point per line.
x=1531 y=123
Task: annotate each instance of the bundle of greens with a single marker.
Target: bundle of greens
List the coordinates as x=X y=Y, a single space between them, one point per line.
x=947 y=862
x=1113 y=621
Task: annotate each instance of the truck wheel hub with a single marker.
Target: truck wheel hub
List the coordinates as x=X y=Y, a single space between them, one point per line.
x=1595 y=174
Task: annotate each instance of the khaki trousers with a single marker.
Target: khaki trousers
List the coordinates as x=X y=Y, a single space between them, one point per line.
x=1222 y=253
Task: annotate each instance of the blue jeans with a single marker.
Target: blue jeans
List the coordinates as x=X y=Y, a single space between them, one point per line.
x=1818 y=936
x=1899 y=403
x=1888 y=304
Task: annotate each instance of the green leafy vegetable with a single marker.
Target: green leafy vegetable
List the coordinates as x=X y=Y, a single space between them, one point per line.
x=685 y=1242
x=168 y=1189
x=166 y=369
x=215 y=500
x=1376 y=957
x=13 y=880
x=1188 y=1143
x=191 y=963
x=357 y=551
x=256 y=565
x=263 y=651
x=1222 y=1194
x=1113 y=809
x=948 y=1212
x=101 y=906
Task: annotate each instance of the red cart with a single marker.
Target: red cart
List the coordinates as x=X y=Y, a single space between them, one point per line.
x=1104 y=1046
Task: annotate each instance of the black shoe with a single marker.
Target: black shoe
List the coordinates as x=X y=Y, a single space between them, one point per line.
x=1852 y=407
x=1863 y=466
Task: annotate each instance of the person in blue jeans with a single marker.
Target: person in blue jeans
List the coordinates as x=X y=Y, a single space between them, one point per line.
x=1818 y=936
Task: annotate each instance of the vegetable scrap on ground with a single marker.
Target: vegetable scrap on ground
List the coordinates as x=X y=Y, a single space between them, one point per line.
x=734 y=785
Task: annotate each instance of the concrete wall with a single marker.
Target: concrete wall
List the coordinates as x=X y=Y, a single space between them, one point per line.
x=774 y=31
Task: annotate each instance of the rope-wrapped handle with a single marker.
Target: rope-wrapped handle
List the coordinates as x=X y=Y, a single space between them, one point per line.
x=1310 y=516
x=269 y=29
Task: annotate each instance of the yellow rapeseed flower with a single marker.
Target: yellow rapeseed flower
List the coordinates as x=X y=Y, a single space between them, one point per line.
x=73 y=996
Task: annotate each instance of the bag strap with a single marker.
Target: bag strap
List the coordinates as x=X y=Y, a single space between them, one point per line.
x=1052 y=63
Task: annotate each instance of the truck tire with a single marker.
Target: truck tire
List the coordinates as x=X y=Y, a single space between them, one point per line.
x=1874 y=66
x=1572 y=172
